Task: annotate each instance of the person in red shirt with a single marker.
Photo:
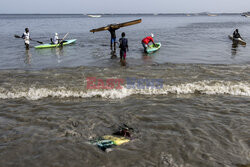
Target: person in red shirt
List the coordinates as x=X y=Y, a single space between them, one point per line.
x=146 y=41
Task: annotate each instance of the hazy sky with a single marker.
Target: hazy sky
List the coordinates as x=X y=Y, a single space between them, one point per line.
x=123 y=6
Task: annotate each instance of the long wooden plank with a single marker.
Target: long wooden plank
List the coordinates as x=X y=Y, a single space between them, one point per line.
x=130 y=23
x=100 y=29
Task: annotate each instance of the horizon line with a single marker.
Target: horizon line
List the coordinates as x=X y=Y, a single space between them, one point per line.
x=120 y=13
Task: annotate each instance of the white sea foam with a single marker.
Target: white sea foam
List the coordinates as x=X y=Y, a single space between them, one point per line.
x=201 y=87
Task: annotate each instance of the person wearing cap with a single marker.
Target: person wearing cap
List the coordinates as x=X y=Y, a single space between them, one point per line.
x=146 y=41
x=55 y=40
x=26 y=38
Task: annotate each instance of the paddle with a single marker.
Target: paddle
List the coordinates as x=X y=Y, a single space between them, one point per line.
x=62 y=40
x=17 y=36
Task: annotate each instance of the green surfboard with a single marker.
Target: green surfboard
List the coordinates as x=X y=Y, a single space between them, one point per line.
x=49 y=45
x=153 y=48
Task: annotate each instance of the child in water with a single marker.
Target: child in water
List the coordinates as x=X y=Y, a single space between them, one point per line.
x=123 y=47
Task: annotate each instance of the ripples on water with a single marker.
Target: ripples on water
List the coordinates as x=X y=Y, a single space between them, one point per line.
x=200 y=117
x=184 y=40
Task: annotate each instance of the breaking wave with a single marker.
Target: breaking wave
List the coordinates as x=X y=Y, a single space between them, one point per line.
x=200 y=87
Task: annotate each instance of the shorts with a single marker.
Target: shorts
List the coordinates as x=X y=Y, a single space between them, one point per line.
x=145 y=46
x=27 y=42
x=123 y=54
x=113 y=40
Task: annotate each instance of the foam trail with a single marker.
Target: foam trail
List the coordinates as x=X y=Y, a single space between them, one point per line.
x=201 y=87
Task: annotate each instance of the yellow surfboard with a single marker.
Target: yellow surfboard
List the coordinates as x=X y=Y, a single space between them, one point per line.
x=117 y=140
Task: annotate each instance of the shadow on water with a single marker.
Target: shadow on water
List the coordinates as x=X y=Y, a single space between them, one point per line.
x=243 y=165
x=123 y=63
x=147 y=58
x=28 y=57
x=234 y=49
x=114 y=56
x=58 y=52
x=49 y=51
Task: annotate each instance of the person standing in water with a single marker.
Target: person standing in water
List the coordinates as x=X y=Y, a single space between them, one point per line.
x=146 y=41
x=123 y=47
x=26 y=38
x=113 y=38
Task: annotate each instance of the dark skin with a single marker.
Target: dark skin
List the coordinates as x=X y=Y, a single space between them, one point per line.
x=150 y=47
x=113 y=35
x=123 y=132
x=154 y=43
x=27 y=45
x=121 y=58
x=237 y=34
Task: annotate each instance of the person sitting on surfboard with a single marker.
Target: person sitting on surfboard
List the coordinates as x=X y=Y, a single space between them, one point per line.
x=123 y=46
x=146 y=41
x=236 y=34
x=55 y=40
x=113 y=37
x=26 y=38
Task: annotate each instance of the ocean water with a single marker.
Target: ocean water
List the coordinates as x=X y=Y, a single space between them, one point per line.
x=188 y=103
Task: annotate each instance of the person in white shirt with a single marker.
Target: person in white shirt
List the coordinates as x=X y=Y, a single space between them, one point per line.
x=26 y=38
x=56 y=39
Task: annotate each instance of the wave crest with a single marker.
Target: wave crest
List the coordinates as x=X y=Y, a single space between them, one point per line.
x=201 y=87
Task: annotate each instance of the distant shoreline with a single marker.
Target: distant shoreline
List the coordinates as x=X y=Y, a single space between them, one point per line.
x=192 y=14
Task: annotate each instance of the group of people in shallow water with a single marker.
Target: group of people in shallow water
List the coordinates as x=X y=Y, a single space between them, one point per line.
x=27 y=39
x=122 y=41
